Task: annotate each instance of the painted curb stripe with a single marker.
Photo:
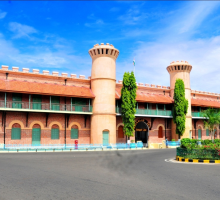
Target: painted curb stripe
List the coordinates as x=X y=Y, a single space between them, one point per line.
x=196 y=160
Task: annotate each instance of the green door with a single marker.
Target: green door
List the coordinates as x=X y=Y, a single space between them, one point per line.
x=105 y=138
x=199 y=134
x=37 y=102
x=16 y=101
x=78 y=103
x=55 y=103
x=36 y=136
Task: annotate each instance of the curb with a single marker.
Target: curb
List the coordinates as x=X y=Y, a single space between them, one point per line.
x=178 y=158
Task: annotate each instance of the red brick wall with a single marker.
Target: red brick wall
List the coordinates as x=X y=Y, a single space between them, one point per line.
x=153 y=133
x=38 y=120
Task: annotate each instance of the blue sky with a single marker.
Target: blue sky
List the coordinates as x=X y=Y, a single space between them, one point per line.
x=56 y=36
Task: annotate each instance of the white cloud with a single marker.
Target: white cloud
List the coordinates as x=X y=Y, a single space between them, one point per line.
x=21 y=30
x=153 y=58
x=2 y=14
x=196 y=13
x=44 y=57
x=177 y=42
x=97 y=22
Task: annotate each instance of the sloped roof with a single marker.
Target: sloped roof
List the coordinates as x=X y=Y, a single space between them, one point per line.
x=45 y=89
x=205 y=103
x=148 y=97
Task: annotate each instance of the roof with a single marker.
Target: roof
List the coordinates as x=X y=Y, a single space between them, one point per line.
x=205 y=103
x=45 y=89
x=148 y=97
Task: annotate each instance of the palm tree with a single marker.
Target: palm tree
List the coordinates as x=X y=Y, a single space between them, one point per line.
x=212 y=119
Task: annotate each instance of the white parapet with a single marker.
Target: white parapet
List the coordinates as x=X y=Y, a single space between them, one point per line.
x=73 y=75
x=15 y=69
x=45 y=72
x=55 y=73
x=25 y=70
x=82 y=76
x=64 y=74
x=36 y=71
x=4 y=67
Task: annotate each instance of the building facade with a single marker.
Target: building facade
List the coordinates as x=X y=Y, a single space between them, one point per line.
x=51 y=109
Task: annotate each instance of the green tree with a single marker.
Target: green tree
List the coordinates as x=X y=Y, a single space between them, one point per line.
x=180 y=107
x=128 y=103
x=212 y=119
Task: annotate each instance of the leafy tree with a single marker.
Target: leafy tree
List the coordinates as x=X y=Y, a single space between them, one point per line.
x=180 y=107
x=128 y=96
x=212 y=119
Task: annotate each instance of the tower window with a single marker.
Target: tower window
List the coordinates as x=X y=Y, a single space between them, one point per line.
x=94 y=52
x=98 y=51
x=102 y=51
x=106 y=51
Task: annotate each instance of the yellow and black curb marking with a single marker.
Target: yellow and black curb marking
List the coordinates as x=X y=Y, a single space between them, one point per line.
x=178 y=158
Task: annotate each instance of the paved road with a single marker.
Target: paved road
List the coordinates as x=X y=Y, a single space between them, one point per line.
x=105 y=175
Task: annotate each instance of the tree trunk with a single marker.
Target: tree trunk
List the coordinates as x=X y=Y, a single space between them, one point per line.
x=212 y=136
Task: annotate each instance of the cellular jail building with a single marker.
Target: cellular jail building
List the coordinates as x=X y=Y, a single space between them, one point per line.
x=52 y=109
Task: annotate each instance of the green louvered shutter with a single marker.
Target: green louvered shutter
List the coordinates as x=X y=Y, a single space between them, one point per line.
x=16 y=133
x=16 y=100
x=79 y=103
x=74 y=133
x=36 y=136
x=54 y=133
x=207 y=132
x=55 y=103
x=199 y=134
x=37 y=102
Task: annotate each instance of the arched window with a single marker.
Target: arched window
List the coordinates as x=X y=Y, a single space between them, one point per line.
x=120 y=132
x=207 y=132
x=199 y=134
x=55 y=132
x=160 y=132
x=74 y=132
x=16 y=132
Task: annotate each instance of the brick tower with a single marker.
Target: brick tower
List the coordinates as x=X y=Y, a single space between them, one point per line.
x=103 y=83
x=181 y=70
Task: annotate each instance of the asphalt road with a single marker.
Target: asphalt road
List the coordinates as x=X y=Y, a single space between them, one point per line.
x=112 y=175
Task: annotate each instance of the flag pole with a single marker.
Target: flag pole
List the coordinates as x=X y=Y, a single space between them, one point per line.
x=134 y=66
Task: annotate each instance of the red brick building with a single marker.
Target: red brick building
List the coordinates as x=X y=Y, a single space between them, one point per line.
x=43 y=108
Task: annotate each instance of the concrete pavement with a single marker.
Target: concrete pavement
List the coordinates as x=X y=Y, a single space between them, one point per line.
x=109 y=175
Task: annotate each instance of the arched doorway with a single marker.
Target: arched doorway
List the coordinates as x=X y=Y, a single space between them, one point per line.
x=141 y=132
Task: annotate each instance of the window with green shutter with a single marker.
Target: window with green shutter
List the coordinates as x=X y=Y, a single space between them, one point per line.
x=16 y=133
x=74 y=133
x=16 y=100
x=54 y=133
x=37 y=102
x=55 y=103
x=207 y=132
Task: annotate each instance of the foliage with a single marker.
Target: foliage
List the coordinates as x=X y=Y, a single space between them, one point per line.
x=180 y=107
x=173 y=140
x=199 y=153
x=212 y=119
x=187 y=143
x=128 y=98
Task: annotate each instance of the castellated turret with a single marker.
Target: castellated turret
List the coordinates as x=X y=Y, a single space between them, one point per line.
x=182 y=70
x=103 y=83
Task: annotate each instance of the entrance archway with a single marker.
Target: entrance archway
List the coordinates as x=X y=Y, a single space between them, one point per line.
x=141 y=132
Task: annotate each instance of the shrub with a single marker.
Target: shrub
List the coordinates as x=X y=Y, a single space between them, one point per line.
x=173 y=140
x=206 y=142
x=217 y=141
